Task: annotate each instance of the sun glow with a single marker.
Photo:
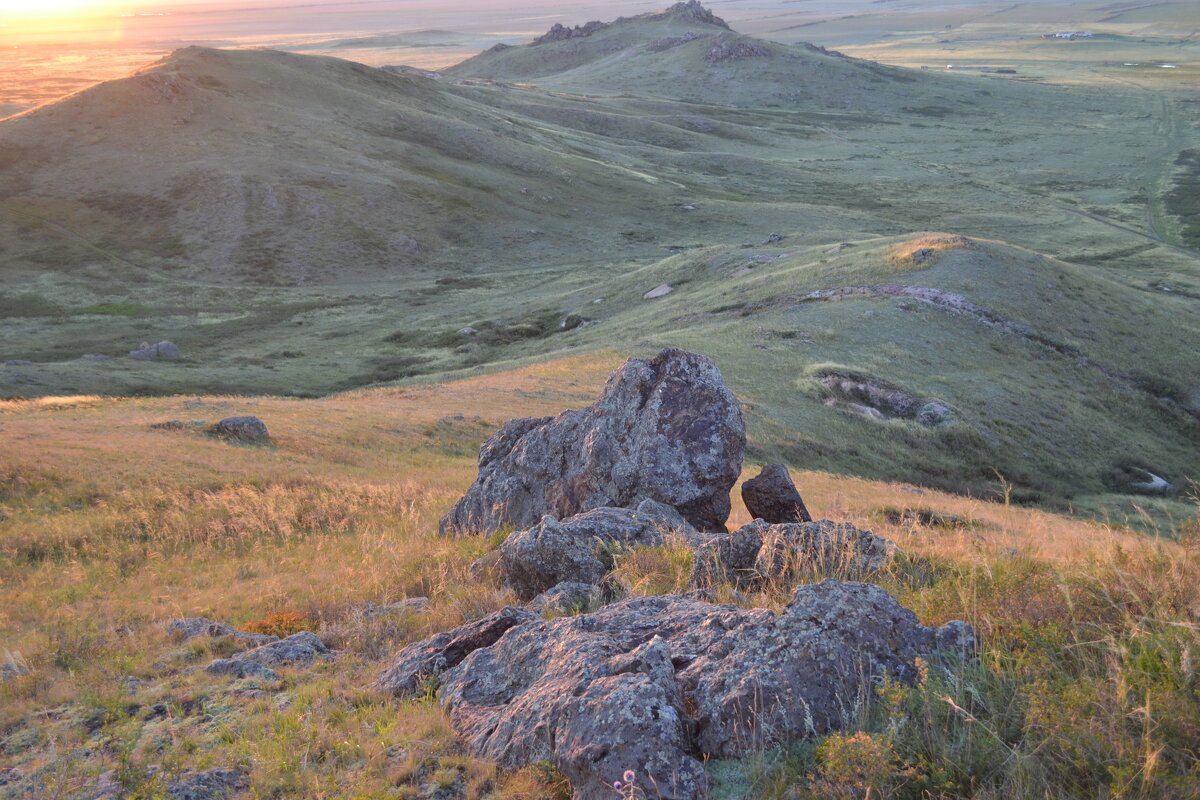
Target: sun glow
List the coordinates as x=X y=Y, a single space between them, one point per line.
x=26 y=9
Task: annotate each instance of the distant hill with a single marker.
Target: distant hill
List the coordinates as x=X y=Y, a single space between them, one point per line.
x=687 y=53
x=303 y=225
x=271 y=168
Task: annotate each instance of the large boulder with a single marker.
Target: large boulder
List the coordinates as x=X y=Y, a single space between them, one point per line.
x=551 y=552
x=666 y=428
x=659 y=684
x=773 y=497
x=760 y=551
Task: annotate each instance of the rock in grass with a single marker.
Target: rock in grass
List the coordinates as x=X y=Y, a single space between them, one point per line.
x=666 y=429
x=251 y=430
x=551 y=552
x=298 y=649
x=426 y=659
x=759 y=551
x=191 y=627
x=153 y=352
x=659 y=684
x=212 y=784
x=773 y=497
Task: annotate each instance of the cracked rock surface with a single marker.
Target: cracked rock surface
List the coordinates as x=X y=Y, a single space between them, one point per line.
x=658 y=684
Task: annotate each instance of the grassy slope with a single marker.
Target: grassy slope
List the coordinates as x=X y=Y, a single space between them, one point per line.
x=111 y=527
x=612 y=183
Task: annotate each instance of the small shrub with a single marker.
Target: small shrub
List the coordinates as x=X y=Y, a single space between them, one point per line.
x=281 y=624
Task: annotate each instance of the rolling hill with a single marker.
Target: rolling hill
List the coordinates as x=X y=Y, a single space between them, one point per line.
x=301 y=225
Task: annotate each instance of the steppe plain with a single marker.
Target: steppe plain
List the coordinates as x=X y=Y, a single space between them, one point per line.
x=318 y=236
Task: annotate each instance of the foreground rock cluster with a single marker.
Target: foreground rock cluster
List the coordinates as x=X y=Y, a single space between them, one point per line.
x=657 y=684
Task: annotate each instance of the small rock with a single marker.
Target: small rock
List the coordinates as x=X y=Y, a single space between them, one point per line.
x=758 y=551
x=658 y=291
x=298 y=649
x=13 y=669
x=773 y=497
x=933 y=413
x=568 y=597
x=412 y=604
x=213 y=784
x=774 y=237
x=241 y=669
x=153 y=352
x=467 y=331
x=191 y=627
x=243 y=429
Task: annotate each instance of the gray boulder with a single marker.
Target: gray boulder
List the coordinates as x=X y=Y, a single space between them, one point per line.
x=429 y=658
x=659 y=684
x=759 y=551
x=568 y=597
x=773 y=497
x=243 y=429
x=667 y=429
x=298 y=649
x=153 y=352
x=551 y=552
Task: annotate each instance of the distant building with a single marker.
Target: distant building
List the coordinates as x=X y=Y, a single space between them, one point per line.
x=1068 y=35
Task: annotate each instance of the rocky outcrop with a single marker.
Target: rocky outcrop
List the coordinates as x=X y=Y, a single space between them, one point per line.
x=667 y=42
x=773 y=497
x=666 y=429
x=429 y=658
x=878 y=399
x=760 y=551
x=734 y=49
x=694 y=11
x=298 y=649
x=660 y=684
x=551 y=552
x=153 y=352
x=560 y=32
x=251 y=430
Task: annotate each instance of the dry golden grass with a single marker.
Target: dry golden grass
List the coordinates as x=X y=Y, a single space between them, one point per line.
x=110 y=527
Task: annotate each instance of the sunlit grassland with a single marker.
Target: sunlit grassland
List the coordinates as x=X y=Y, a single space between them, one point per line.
x=110 y=527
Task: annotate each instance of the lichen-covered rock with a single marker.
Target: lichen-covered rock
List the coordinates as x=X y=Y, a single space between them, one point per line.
x=191 y=627
x=568 y=597
x=298 y=649
x=759 y=551
x=551 y=552
x=243 y=429
x=773 y=497
x=659 y=684
x=429 y=658
x=667 y=429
